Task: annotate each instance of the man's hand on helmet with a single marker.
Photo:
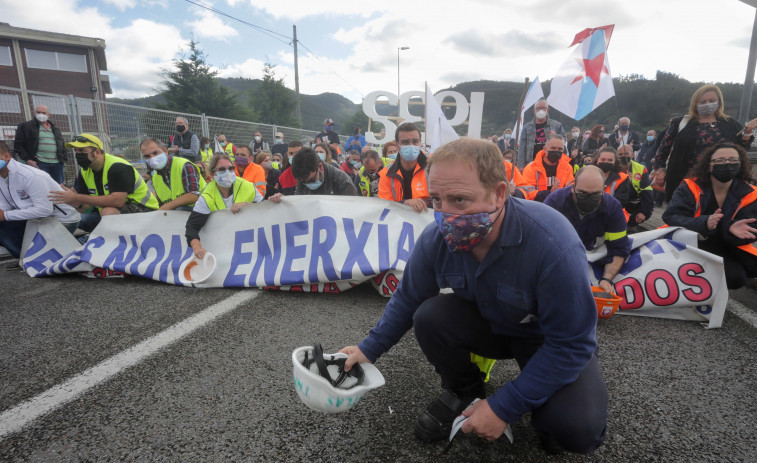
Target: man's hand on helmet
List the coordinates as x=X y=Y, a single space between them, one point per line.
x=355 y=356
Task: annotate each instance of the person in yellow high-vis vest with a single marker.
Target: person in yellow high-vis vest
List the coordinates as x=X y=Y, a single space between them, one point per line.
x=228 y=148
x=225 y=191
x=177 y=182
x=107 y=182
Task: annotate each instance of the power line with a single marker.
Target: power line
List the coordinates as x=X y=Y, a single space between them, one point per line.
x=264 y=31
x=254 y=26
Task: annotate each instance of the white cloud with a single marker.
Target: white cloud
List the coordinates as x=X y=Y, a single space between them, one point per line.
x=249 y=69
x=211 y=26
x=123 y=4
x=298 y=9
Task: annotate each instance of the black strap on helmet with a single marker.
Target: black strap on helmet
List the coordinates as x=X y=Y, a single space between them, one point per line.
x=321 y=363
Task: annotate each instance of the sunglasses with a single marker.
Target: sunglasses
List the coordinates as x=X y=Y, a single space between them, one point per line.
x=82 y=139
x=585 y=195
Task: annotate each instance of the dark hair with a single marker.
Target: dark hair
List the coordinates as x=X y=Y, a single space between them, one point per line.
x=508 y=151
x=595 y=131
x=406 y=127
x=294 y=144
x=147 y=140
x=203 y=141
x=304 y=163
x=608 y=149
x=701 y=171
x=372 y=154
x=4 y=148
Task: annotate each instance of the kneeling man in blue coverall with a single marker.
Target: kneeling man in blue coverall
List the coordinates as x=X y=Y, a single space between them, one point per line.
x=521 y=291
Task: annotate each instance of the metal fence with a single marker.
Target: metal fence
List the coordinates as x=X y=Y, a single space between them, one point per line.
x=121 y=127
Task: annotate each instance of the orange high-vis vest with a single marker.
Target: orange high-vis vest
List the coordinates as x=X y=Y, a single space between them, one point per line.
x=610 y=189
x=696 y=190
x=534 y=178
x=513 y=174
x=254 y=174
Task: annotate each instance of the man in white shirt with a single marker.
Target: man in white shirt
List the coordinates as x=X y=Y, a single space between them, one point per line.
x=23 y=196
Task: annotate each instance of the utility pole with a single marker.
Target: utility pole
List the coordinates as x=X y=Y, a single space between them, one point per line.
x=296 y=74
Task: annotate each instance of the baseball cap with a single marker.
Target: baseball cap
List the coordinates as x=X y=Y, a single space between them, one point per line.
x=280 y=135
x=85 y=139
x=328 y=122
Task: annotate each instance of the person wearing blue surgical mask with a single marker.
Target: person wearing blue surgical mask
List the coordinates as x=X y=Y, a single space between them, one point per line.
x=648 y=150
x=177 y=182
x=225 y=192
x=351 y=166
x=317 y=177
x=405 y=181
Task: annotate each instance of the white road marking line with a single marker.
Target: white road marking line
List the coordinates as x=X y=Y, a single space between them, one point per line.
x=742 y=312
x=14 y=419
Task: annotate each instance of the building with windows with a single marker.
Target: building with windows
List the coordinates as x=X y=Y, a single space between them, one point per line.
x=55 y=70
x=53 y=62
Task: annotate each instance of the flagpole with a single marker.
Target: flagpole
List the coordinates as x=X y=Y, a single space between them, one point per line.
x=425 y=115
x=517 y=122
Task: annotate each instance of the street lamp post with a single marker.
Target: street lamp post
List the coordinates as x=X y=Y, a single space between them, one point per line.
x=398 y=75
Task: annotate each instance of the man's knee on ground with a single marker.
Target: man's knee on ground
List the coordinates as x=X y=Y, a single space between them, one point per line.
x=577 y=436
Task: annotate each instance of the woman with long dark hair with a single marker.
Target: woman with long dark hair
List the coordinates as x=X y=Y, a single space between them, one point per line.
x=719 y=202
x=689 y=136
x=596 y=140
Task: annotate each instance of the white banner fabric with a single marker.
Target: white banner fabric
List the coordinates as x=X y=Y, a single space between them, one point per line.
x=667 y=276
x=330 y=244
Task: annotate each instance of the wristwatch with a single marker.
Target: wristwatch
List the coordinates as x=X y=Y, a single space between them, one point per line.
x=607 y=280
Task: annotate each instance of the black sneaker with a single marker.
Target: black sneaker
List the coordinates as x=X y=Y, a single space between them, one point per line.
x=435 y=423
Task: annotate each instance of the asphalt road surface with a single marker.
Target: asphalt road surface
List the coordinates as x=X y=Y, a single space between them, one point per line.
x=109 y=384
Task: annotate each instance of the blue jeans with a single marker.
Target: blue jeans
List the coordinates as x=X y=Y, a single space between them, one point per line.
x=12 y=236
x=89 y=221
x=55 y=170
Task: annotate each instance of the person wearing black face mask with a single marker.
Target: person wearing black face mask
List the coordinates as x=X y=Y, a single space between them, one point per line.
x=595 y=214
x=549 y=171
x=718 y=202
x=616 y=182
x=184 y=143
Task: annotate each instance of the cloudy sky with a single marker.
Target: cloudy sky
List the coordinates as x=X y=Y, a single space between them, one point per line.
x=350 y=48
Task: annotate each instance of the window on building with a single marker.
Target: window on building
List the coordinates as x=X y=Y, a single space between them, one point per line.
x=56 y=105
x=55 y=60
x=5 y=56
x=10 y=104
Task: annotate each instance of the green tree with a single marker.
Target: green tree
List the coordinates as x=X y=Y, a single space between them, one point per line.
x=273 y=101
x=191 y=87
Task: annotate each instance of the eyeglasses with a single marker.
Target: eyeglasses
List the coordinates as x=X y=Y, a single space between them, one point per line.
x=726 y=161
x=584 y=195
x=82 y=139
x=223 y=170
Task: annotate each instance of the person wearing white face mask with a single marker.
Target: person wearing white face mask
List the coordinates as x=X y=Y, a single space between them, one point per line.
x=39 y=143
x=225 y=191
x=534 y=135
x=405 y=181
x=258 y=144
x=705 y=125
x=177 y=182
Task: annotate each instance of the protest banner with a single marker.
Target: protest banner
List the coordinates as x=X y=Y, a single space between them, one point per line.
x=667 y=276
x=305 y=243
x=330 y=244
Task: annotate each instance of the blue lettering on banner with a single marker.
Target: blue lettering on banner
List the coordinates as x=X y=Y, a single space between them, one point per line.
x=83 y=255
x=294 y=252
x=152 y=241
x=178 y=253
x=239 y=258
x=320 y=255
x=118 y=259
x=39 y=263
x=268 y=257
x=383 y=237
x=356 y=252
x=405 y=243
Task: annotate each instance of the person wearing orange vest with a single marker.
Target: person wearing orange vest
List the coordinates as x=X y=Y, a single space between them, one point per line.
x=721 y=205
x=405 y=181
x=549 y=171
x=616 y=182
x=248 y=170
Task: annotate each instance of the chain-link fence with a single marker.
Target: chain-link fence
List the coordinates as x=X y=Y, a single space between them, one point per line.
x=122 y=127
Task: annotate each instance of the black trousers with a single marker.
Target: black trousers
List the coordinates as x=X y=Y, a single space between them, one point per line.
x=738 y=265
x=449 y=328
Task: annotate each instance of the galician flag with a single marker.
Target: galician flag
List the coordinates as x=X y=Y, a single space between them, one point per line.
x=438 y=129
x=584 y=82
